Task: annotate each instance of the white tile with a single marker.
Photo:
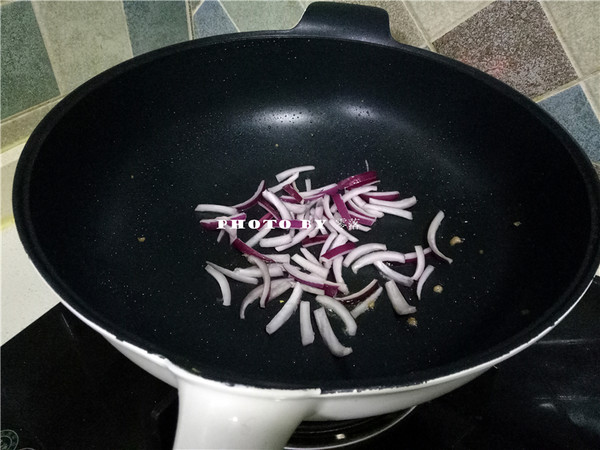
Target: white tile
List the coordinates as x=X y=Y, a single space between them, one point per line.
x=25 y=296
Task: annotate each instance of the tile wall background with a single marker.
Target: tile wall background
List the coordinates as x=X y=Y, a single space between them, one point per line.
x=548 y=50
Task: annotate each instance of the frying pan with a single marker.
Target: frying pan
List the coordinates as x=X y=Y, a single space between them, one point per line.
x=130 y=153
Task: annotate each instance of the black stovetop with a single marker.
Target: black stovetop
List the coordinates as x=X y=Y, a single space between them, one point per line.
x=65 y=387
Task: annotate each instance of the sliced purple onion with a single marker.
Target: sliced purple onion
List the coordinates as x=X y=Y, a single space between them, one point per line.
x=275 y=241
x=412 y=256
x=400 y=204
x=240 y=245
x=293 y=192
x=312 y=267
x=270 y=209
x=333 y=225
x=428 y=270
x=232 y=274
x=338 y=276
x=340 y=250
x=387 y=196
x=308 y=255
x=279 y=187
x=397 y=300
x=355 y=181
x=278 y=204
x=252 y=200
x=341 y=207
x=306 y=330
x=360 y=295
x=361 y=251
x=223 y=284
x=420 y=262
x=328 y=335
x=373 y=257
x=300 y=236
x=286 y=310
x=256 y=238
x=431 y=235
x=393 y=275
x=357 y=191
x=275 y=271
x=264 y=270
x=316 y=240
x=278 y=287
x=389 y=210
x=289 y=172
x=367 y=303
x=341 y=311
x=207 y=207
x=327 y=244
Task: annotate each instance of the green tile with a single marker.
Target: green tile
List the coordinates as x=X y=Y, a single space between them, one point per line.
x=252 y=15
x=26 y=73
x=578 y=24
x=155 y=24
x=82 y=38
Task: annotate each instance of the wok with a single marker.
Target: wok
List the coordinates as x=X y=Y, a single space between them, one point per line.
x=130 y=153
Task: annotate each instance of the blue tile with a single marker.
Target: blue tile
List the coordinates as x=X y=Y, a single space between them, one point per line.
x=573 y=111
x=155 y=24
x=211 y=19
x=27 y=76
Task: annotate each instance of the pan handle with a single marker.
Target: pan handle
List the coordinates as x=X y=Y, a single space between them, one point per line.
x=345 y=21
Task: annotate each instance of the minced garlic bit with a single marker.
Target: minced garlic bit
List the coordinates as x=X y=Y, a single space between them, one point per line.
x=517 y=223
x=481 y=252
x=456 y=240
x=141 y=239
x=438 y=289
x=411 y=321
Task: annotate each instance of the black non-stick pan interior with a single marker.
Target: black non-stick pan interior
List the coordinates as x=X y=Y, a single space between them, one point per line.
x=131 y=153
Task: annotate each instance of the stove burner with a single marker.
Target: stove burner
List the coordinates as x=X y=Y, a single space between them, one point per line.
x=342 y=433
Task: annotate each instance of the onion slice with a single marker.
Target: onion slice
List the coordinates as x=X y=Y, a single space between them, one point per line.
x=428 y=270
x=289 y=172
x=398 y=301
x=420 y=262
x=233 y=275
x=252 y=200
x=360 y=295
x=278 y=287
x=340 y=310
x=328 y=335
x=371 y=258
x=367 y=303
x=223 y=284
x=393 y=275
x=431 y=235
x=361 y=251
x=207 y=207
x=286 y=311
x=264 y=270
x=306 y=330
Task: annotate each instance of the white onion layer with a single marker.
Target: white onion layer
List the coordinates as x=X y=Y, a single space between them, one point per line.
x=431 y=235
x=223 y=284
x=341 y=311
x=307 y=333
x=286 y=310
x=397 y=300
x=328 y=335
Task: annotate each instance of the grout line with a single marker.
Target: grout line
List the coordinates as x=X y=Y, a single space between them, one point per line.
x=595 y=107
x=228 y=16
x=564 y=87
x=419 y=25
x=189 y=14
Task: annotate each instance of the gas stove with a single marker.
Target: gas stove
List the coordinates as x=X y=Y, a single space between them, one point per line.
x=65 y=387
